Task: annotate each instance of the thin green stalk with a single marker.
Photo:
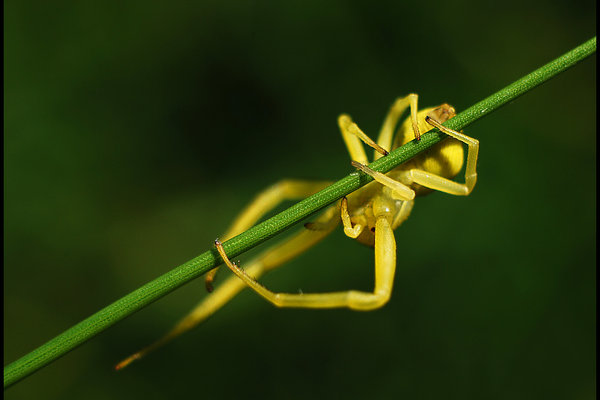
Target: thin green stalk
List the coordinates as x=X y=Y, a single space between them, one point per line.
x=170 y=281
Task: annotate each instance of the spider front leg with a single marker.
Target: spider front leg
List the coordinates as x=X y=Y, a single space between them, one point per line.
x=399 y=190
x=353 y=136
x=391 y=120
x=385 y=266
x=442 y=184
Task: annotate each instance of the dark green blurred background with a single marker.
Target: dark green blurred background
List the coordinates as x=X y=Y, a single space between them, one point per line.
x=135 y=131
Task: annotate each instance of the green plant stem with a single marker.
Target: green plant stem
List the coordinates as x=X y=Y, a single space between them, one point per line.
x=170 y=281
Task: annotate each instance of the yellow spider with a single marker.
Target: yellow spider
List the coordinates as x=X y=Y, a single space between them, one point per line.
x=368 y=215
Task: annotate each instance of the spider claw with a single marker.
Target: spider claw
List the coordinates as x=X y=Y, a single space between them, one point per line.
x=209 y=286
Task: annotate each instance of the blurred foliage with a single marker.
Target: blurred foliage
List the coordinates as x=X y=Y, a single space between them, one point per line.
x=134 y=132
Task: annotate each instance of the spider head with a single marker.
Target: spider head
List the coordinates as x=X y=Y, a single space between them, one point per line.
x=442 y=113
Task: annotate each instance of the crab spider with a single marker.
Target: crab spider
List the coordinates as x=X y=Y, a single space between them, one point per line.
x=368 y=215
